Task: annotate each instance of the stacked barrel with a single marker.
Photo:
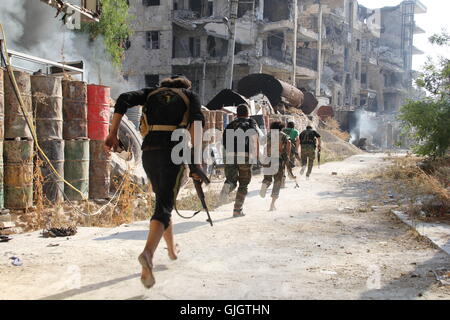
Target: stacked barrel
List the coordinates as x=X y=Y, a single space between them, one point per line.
x=48 y=110
x=18 y=143
x=75 y=134
x=98 y=129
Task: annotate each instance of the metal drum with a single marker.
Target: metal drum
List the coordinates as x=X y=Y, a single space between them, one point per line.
x=76 y=168
x=47 y=107
x=2 y=107
x=53 y=185
x=74 y=110
x=15 y=123
x=18 y=178
x=98 y=112
x=99 y=171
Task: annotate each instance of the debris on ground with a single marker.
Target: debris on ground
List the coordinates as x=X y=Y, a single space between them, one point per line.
x=16 y=261
x=5 y=238
x=59 y=232
x=442 y=276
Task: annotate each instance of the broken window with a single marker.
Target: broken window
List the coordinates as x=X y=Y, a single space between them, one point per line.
x=276 y=10
x=364 y=78
x=358 y=45
x=357 y=71
x=273 y=47
x=151 y=80
x=195 y=5
x=194 y=47
x=217 y=47
x=245 y=7
x=149 y=3
x=152 y=40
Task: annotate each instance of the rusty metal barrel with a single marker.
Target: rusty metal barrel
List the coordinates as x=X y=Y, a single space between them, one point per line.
x=74 y=109
x=15 y=123
x=53 y=186
x=47 y=107
x=18 y=178
x=76 y=168
x=98 y=112
x=99 y=171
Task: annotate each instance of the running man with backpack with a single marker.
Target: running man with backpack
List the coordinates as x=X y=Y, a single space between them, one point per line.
x=308 y=141
x=166 y=108
x=237 y=157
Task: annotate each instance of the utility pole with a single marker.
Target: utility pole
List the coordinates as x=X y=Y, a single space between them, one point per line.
x=234 y=5
x=319 y=52
x=294 y=49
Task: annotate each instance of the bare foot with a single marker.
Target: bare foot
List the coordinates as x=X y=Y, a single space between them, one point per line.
x=173 y=254
x=147 y=278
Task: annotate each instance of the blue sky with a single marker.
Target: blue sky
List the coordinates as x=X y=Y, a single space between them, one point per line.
x=437 y=18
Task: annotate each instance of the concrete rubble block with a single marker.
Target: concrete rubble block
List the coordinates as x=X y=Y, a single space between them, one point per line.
x=5 y=217
x=8 y=224
x=10 y=231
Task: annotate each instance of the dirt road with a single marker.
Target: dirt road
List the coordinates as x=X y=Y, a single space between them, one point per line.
x=316 y=246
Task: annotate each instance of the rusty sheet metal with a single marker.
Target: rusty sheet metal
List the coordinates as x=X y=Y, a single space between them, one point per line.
x=325 y=112
x=76 y=168
x=18 y=174
x=15 y=124
x=74 y=110
x=99 y=171
x=275 y=90
x=53 y=186
x=47 y=107
x=292 y=95
x=2 y=106
x=310 y=103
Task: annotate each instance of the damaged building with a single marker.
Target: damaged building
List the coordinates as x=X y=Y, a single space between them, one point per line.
x=354 y=58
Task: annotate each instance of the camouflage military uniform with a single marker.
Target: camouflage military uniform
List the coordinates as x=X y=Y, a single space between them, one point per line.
x=282 y=160
x=237 y=173
x=308 y=157
x=308 y=153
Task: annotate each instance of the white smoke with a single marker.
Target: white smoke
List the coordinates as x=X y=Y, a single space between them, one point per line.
x=366 y=126
x=31 y=28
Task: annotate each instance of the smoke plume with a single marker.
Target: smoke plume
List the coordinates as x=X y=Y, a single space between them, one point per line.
x=31 y=28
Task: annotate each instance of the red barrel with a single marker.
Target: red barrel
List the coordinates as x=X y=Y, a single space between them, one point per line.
x=98 y=112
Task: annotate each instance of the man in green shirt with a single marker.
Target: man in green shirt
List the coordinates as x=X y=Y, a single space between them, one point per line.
x=294 y=137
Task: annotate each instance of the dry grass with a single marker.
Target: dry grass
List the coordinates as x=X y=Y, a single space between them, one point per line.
x=426 y=191
x=332 y=125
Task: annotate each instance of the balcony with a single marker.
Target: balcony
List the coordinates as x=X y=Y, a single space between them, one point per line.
x=306 y=57
x=417 y=51
x=418 y=30
x=419 y=7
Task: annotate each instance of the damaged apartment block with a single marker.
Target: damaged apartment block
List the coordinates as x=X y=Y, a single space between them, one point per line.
x=355 y=59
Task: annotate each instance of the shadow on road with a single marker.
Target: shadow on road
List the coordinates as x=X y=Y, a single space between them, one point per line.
x=88 y=288
x=422 y=276
x=178 y=228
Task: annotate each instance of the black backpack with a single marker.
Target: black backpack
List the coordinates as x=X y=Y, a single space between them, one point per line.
x=244 y=125
x=164 y=97
x=308 y=137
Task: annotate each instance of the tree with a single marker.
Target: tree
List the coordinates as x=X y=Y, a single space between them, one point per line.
x=113 y=27
x=427 y=121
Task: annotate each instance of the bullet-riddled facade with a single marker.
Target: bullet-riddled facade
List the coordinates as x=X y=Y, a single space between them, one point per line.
x=365 y=61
